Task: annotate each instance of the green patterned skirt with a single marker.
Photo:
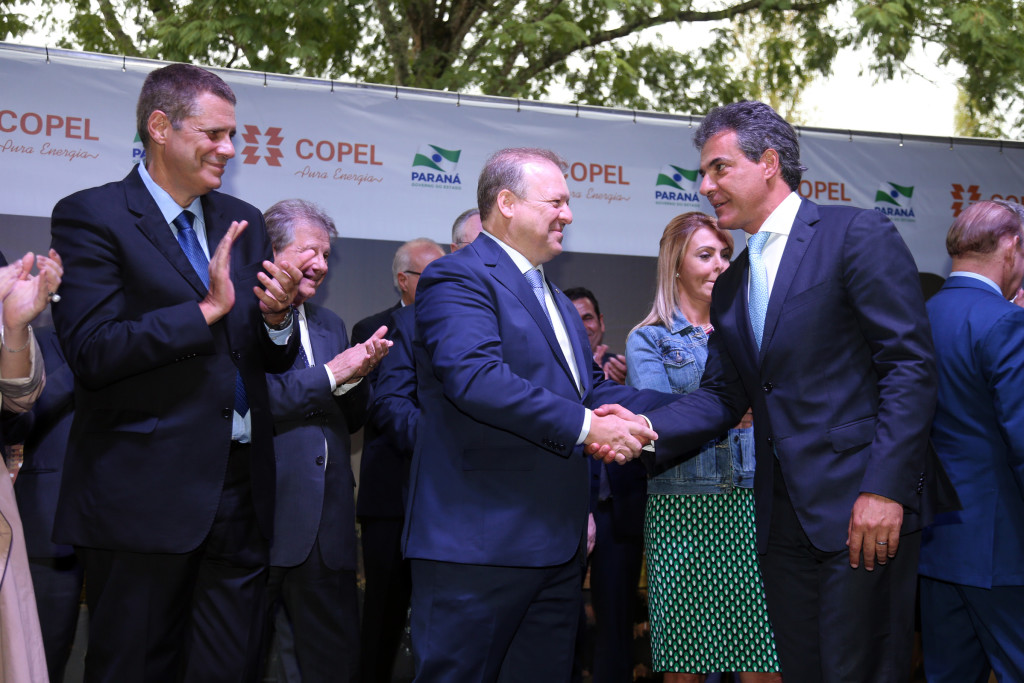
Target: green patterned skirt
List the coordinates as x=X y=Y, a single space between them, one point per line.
x=705 y=591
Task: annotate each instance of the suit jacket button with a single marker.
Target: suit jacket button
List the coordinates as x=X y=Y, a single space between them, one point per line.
x=769 y=440
x=320 y=460
x=226 y=413
x=767 y=387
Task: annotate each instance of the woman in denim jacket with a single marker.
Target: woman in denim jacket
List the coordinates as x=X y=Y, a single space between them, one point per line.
x=707 y=605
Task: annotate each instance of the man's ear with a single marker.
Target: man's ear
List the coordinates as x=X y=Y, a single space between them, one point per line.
x=158 y=125
x=506 y=202
x=771 y=162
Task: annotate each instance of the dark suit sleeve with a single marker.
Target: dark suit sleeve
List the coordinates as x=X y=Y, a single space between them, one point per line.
x=304 y=392
x=395 y=410
x=880 y=279
x=1001 y=356
x=692 y=420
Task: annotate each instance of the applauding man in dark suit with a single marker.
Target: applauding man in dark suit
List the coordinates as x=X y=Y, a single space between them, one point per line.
x=170 y=325
x=316 y=405
x=498 y=490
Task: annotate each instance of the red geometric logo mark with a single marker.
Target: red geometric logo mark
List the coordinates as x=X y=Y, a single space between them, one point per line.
x=252 y=138
x=958 y=191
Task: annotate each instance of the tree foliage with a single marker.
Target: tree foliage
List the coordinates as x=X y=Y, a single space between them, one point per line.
x=670 y=55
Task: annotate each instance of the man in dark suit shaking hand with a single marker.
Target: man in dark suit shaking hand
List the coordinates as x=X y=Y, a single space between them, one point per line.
x=498 y=490
x=820 y=327
x=170 y=320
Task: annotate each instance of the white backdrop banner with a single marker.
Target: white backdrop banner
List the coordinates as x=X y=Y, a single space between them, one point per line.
x=389 y=162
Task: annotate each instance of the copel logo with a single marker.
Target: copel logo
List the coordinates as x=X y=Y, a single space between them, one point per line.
x=48 y=125
x=252 y=137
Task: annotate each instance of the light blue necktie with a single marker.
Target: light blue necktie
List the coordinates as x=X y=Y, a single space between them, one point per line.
x=758 y=304
x=190 y=245
x=536 y=281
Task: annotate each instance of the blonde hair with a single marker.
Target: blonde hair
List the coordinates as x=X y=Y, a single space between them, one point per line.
x=673 y=245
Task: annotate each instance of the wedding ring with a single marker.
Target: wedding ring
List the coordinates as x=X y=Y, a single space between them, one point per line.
x=882 y=542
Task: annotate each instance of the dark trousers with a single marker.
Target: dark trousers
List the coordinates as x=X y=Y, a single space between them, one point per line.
x=479 y=624
x=833 y=623
x=968 y=631
x=58 y=587
x=322 y=607
x=193 y=616
x=386 y=600
x=614 y=575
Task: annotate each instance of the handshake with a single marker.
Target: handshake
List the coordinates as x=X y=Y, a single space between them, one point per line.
x=617 y=435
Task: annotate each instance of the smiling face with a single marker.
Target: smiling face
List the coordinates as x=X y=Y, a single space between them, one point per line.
x=593 y=322
x=741 y=191
x=706 y=257
x=308 y=236
x=189 y=161
x=537 y=219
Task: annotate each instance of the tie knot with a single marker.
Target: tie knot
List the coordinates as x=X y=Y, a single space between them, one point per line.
x=184 y=220
x=757 y=240
x=535 y=279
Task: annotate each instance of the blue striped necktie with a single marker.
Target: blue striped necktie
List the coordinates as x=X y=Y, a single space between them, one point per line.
x=536 y=281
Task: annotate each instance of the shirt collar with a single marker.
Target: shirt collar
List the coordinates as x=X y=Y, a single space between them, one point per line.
x=780 y=221
x=169 y=208
x=979 y=277
x=522 y=263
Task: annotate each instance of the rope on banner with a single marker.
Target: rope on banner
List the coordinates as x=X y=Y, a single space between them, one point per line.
x=332 y=85
x=517 y=106
x=1000 y=146
x=264 y=79
x=690 y=117
x=458 y=99
x=901 y=139
x=634 y=116
x=577 y=110
x=47 y=54
x=851 y=134
x=396 y=92
x=124 y=63
x=951 y=144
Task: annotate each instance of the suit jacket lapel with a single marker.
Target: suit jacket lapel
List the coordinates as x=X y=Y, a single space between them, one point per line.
x=799 y=238
x=150 y=222
x=505 y=271
x=581 y=349
x=216 y=224
x=318 y=341
x=733 y=306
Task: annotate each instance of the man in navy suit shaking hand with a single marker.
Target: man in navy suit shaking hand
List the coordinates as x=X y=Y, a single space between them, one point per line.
x=820 y=327
x=498 y=491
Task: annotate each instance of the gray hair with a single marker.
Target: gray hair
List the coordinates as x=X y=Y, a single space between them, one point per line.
x=758 y=128
x=403 y=257
x=282 y=217
x=504 y=171
x=457 y=227
x=174 y=90
x=979 y=228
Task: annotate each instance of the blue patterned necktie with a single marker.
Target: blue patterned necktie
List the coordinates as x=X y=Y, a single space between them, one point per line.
x=190 y=245
x=536 y=281
x=194 y=252
x=758 y=304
